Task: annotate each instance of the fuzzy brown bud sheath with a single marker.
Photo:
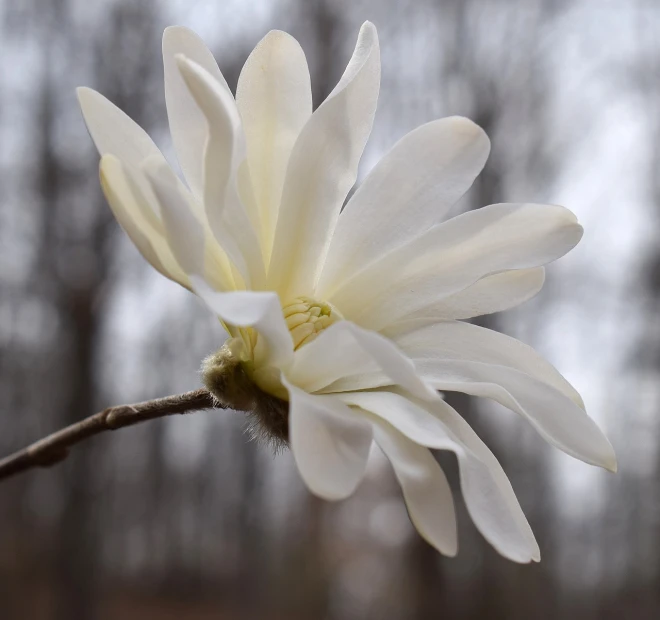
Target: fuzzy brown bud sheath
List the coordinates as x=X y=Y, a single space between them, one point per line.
x=226 y=378
x=55 y=447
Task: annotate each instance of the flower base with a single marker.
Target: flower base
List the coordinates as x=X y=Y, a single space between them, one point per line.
x=225 y=377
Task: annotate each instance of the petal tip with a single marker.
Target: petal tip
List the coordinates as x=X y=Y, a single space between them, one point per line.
x=277 y=34
x=329 y=494
x=109 y=168
x=466 y=125
x=173 y=36
x=188 y=69
x=368 y=33
x=612 y=465
x=606 y=457
x=528 y=557
x=451 y=551
x=104 y=164
x=86 y=96
x=571 y=218
x=278 y=41
x=170 y=31
x=182 y=61
x=108 y=159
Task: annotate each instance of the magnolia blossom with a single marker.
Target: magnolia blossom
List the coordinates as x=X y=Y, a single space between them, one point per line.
x=350 y=319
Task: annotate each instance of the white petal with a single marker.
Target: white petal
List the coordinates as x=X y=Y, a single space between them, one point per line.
x=495 y=293
x=193 y=246
x=185 y=233
x=455 y=356
x=225 y=152
x=456 y=340
x=487 y=491
x=452 y=256
x=410 y=189
x=329 y=442
x=555 y=417
x=187 y=123
x=344 y=349
x=252 y=309
x=274 y=98
x=322 y=169
x=425 y=488
x=114 y=132
x=130 y=208
x=334 y=354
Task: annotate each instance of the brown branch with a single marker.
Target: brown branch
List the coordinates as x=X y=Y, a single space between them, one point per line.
x=55 y=448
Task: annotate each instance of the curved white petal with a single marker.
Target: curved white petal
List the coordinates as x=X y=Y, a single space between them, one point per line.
x=191 y=243
x=410 y=189
x=559 y=420
x=456 y=340
x=330 y=443
x=259 y=310
x=225 y=152
x=322 y=169
x=332 y=355
x=455 y=356
x=424 y=486
x=113 y=131
x=187 y=123
x=274 y=97
x=135 y=217
x=344 y=349
x=495 y=293
x=555 y=417
x=488 y=494
x=452 y=256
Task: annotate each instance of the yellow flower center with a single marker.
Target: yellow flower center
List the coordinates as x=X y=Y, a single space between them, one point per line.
x=307 y=318
x=234 y=377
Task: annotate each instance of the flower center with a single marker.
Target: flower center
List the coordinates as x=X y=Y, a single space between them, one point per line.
x=307 y=318
x=236 y=381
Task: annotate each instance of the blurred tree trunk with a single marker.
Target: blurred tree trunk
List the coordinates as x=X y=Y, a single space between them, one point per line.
x=640 y=494
x=74 y=261
x=74 y=294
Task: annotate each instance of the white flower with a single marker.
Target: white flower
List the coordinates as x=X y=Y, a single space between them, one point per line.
x=352 y=318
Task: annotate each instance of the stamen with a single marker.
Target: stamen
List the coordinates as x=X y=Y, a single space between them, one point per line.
x=306 y=318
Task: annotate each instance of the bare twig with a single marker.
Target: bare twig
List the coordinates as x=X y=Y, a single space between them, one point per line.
x=55 y=448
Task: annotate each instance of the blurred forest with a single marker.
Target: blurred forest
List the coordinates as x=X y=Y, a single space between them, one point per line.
x=186 y=518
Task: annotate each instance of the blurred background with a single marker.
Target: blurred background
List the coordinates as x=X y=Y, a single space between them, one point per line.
x=186 y=518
